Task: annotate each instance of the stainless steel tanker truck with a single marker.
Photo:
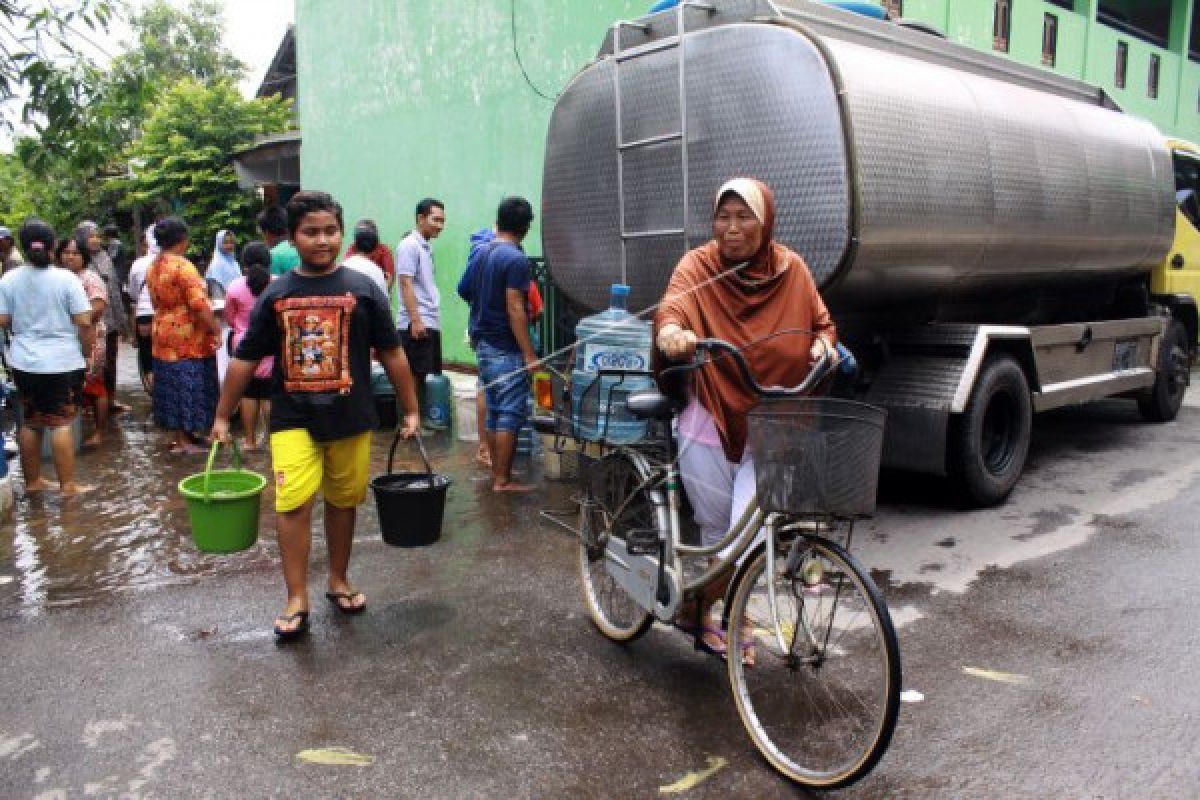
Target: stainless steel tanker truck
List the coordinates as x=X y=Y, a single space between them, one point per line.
x=983 y=232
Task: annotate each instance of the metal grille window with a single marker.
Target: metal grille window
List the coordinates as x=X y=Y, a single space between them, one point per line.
x=1049 y=40
x=1122 y=64
x=894 y=8
x=1152 y=80
x=1001 y=25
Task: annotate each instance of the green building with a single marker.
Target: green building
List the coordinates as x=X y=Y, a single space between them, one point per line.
x=1145 y=53
x=400 y=99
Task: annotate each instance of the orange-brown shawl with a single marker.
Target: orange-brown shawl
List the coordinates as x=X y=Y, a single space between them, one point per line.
x=772 y=292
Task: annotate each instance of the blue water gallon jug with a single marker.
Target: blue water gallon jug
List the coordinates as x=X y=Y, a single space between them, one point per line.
x=611 y=340
x=438 y=398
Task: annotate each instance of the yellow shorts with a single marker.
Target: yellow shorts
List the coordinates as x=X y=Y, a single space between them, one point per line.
x=339 y=469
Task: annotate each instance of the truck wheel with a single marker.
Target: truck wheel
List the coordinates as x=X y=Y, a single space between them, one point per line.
x=991 y=438
x=1164 y=400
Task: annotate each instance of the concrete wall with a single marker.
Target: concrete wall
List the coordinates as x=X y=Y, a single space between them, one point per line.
x=401 y=99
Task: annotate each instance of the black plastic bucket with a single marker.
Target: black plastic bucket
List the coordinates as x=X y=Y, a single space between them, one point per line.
x=410 y=504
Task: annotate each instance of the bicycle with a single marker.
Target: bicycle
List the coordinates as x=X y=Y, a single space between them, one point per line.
x=822 y=699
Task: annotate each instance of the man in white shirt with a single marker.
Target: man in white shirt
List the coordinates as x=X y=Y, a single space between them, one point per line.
x=418 y=317
x=143 y=309
x=366 y=239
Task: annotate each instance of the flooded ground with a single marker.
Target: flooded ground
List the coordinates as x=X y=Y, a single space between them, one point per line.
x=132 y=534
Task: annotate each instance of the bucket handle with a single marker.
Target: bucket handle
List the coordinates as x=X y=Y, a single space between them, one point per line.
x=212 y=456
x=424 y=455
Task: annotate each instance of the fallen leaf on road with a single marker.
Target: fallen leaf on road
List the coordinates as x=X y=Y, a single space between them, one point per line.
x=694 y=779
x=1000 y=677
x=911 y=696
x=335 y=757
x=1142 y=701
x=203 y=633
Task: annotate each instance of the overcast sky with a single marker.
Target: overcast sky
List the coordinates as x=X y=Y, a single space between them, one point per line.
x=253 y=29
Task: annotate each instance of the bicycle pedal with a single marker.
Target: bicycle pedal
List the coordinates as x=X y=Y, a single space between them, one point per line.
x=642 y=542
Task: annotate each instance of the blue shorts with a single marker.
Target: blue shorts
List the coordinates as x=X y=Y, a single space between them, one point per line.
x=505 y=387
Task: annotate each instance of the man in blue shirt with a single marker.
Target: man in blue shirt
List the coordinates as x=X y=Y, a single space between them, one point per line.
x=496 y=285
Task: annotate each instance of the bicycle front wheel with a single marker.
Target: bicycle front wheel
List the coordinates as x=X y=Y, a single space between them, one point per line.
x=821 y=698
x=618 y=503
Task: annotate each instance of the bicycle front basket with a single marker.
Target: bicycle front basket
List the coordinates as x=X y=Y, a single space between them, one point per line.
x=817 y=455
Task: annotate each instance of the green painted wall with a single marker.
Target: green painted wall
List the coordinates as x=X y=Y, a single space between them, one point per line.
x=1086 y=50
x=399 y=100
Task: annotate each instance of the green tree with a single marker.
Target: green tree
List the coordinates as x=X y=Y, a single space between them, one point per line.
x=174 y=44
x=76 y=162
x=16 y=192
x=184 y=159
x=42 y=52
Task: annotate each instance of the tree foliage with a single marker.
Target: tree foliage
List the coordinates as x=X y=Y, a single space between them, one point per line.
x=184 y=159
x=90 y=122
x=172 y=45
x=42 y=53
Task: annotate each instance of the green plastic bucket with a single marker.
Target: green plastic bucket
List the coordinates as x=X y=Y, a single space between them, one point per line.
x=223 y=505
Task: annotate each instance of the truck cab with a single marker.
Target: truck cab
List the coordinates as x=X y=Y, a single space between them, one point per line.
x=1179 y=272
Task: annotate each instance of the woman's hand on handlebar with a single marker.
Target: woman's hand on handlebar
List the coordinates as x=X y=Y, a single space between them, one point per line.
x=676 y=343
x=821 y=348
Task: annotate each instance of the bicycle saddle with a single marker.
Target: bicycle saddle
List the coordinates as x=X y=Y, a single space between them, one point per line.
x=650 y=404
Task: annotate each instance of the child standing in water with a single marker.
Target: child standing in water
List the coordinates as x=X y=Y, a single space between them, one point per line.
x=322 y=408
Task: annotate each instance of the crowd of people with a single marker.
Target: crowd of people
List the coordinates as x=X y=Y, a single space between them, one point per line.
x=284 y=331
x=305 y=323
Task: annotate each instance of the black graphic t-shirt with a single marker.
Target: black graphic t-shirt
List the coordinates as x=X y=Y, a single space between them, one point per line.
x=321 y=330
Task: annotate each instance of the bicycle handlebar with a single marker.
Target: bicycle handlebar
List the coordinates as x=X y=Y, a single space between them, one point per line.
x=718 y=348
x=815 y=375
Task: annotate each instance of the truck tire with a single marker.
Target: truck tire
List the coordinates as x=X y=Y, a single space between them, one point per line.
x=991 y=437
x=1174 y=359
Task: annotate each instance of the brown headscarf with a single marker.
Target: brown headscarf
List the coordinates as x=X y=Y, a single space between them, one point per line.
x=744 y=304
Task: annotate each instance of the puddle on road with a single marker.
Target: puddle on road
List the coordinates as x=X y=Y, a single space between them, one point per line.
x=946 y=549
x=132 y=532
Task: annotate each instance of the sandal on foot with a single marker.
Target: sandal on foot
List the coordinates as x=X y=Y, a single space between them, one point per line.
x=294 y=633
x=708 y=638
x=337 y=597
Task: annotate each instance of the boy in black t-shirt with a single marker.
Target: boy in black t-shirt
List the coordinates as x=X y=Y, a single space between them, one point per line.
x=320 y=322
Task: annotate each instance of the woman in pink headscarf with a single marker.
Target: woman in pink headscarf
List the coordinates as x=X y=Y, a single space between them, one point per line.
x=740 y=287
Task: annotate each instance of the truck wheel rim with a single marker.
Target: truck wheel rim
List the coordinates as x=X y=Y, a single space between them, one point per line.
x=998 y=433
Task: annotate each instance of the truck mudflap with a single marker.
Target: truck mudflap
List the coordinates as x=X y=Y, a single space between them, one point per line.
x=927 y=379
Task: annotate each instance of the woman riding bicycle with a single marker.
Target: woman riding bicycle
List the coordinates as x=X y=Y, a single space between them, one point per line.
x=740 y=287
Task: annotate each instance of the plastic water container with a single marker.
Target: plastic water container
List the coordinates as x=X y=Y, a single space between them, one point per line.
x=464 y=414
x=379 y=380
x=437 y=401
x=385 y=398
x=611 y=340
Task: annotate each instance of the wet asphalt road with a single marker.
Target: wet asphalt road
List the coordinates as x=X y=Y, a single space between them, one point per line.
x=133 y=666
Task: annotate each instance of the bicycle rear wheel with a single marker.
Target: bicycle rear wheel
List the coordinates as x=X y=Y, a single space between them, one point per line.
x=617 y=504
x=821 y=700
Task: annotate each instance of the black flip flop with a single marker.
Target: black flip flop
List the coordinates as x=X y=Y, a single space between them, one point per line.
x=295 y=633
x=334 y=597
